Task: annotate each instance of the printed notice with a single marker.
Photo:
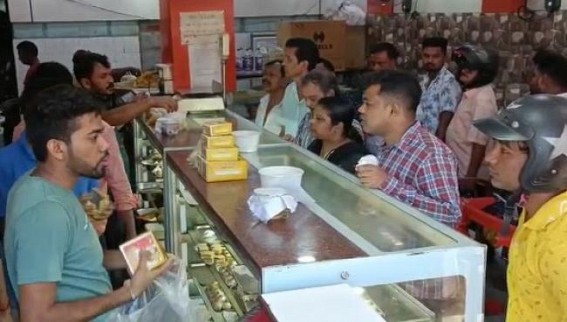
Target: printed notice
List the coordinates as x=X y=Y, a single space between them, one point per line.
x=200 y=23
x=204 y=61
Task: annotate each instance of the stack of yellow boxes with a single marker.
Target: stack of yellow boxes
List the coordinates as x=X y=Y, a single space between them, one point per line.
x=219 y=159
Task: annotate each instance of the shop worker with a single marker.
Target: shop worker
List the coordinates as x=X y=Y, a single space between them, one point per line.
x=55 y=262
x=92 y=71
x=530 y=158
x=28 y=55
x=413 y=165
x=441 y=91
x=300 y=56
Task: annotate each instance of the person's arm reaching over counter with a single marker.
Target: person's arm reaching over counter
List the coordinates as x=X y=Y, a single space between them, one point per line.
x=123 y=114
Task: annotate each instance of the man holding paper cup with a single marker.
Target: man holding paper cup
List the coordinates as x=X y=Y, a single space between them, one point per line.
x=413 y=165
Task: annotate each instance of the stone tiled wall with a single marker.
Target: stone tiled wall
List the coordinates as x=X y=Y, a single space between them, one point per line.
x=514 y=38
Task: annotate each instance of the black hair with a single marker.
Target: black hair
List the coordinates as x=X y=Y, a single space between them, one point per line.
x=305 y=50
x=403 y=86
x=53 y=113
x=340 y=111
x=324 y=79
x=84 y=64
x=78 y=54
x=47 y=75
x=387 y=47
x=275 y=62
x=553 y=65
x=328 y=65
x=28 y=48
x=436 y=42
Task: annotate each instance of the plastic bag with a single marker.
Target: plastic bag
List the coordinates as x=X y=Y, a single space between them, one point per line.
x=167 y=299
x=352 y=14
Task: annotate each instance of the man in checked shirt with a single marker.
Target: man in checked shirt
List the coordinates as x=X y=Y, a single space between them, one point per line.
x=414 y=166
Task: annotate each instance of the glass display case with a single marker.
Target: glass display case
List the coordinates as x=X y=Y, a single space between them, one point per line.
x=410 y=266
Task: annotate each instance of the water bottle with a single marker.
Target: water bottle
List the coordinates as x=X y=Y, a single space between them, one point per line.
x=249 y=60
x=239 y=59
x=259 y=60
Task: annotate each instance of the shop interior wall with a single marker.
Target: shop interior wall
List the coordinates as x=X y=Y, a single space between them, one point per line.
x=515 y=40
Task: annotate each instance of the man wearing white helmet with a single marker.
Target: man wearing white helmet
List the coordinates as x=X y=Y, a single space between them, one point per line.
x=530 y=159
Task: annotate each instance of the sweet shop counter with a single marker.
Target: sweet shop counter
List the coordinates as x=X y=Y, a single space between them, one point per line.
x=410 y=267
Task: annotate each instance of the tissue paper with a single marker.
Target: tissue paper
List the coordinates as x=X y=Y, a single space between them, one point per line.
x=267 y=203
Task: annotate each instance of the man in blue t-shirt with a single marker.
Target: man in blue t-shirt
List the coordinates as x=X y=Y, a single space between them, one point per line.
x=54 y=260
x=15 y=160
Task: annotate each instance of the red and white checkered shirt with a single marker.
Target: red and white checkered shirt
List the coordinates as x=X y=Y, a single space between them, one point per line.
x=422 y=172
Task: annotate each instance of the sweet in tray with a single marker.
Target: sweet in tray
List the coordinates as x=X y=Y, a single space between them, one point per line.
x=216 y=296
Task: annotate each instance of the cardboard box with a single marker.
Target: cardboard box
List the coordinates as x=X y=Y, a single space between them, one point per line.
x=214 y=142
x=144 y=242
x=217 y=128
x=355 y=56
x=216 y=171
x=328 y=35
x=220 y=154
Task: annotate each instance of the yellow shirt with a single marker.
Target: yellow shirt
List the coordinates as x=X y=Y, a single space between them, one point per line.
x=537 y=273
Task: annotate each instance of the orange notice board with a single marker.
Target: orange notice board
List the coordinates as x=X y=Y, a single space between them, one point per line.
x=176 y=53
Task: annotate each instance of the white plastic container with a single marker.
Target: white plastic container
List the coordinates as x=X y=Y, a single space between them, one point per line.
x=246 y=141
x=281 y=176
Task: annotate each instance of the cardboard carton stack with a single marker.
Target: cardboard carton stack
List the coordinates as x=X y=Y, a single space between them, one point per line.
x=344 y=46
x=218 y=159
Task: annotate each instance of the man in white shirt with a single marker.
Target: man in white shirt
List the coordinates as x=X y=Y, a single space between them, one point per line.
x=301 y=56
x=550 y=73
x=273 y=82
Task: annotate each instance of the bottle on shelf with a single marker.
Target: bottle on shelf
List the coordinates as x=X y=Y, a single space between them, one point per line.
x=248 y=60
x=239 y=59
x=258 y=60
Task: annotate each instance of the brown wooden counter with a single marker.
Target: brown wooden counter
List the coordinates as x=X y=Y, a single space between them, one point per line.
x=280 y=242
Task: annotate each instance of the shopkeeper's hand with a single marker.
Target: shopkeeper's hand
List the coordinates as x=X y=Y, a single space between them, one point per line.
x=143 y=277
x=167 y=103
x=371 y=176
